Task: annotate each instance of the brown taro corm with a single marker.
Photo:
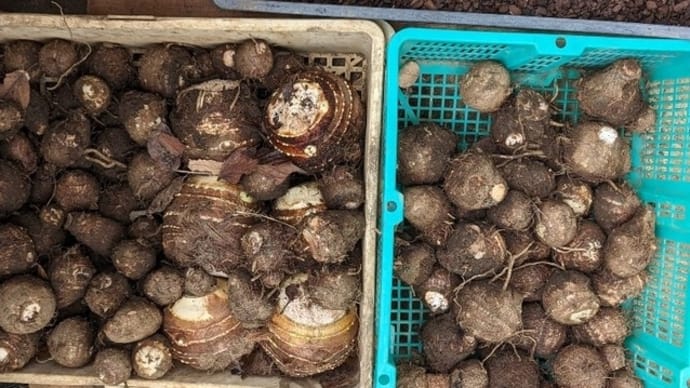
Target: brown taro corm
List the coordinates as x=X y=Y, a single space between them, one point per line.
x=609 y=326
x=568 y=298
x=631 y=247
x=488 y=312
x=253 y=58
x=508 y=368
x=514 y=212
x=584 y=252
x=70 y=343
x=596 y=152
x=113 y=366
x=577 y=366
x=423 y=153
x=414 y=263
x=28 y=304
x=542 y=336
x=15 y=188
x=614 y=205
x=556 y=224
x=474 y=183
x=445 y=343
x=163 y=286
x=428 y=210
x=485 y=86
x=532 y=177
x=437 y=291
x=473 y=249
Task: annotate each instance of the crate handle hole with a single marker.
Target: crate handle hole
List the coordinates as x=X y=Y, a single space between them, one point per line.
x=560 y=42
x=391 y=206
x=384 y=380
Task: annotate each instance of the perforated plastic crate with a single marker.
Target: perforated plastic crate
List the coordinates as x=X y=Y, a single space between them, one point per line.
x=660 y=343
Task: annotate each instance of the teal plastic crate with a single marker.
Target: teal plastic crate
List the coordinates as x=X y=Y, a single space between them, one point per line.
x=660 y=342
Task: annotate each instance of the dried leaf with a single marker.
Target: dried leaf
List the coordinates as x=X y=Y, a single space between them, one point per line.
x=165 y=148
x=242 y=161
x=205 y=165
x=278 y=173
x=165 y=197
x=15 y=87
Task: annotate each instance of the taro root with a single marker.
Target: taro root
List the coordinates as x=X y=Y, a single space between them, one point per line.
x=514 y=212
x=469 y=373
x=115 y=144
x=204 y=224
x=285 y=63
x=106 y=292
x=445 y=343
x=413 y=376
x=132 y=259
x=511 y=369
x=613 y=291
x=215 y=118
x=15 y=188
x=99 y=233
x=64 y=142
x=22 y=55
x=485 y=86
x=135 y=320
x=141 y=113
x=612 y=206
x=614 y=356
x=266 y=245
x=645 y=121
x=70 y=343
x=43 y=183
x=609 y=326
x=531 y=177
x=46 y=237
x=16 y=350
x=335 y=288
x=631 y=247
x=342 y=189
x=423 y=153
x=37 y=113
x=524 y=247
x=57 y=57
x=414 y=263
x=117 y=202
x=428 y=209
x=568 y=298
x=223 y=60
x=11 y=119
x=488 y=312
x=305 y=339
x=521 y=122
x=612 y=94
x=556 y=224
x=77 y=190
x=264 y=186
x=299 y=202
x=246 y=300
x=624 y=379
x=474 y=183
x=113 y=366
x=27 y=304
x=315 y=119
x=146 y=177
x=574 y=193
x=253 y=58
x=152 y=358
x=584 y=252
x=198 y=282
x=93 y=93
x=70 y=274
x=577 y=366
x=164 y=69
x=20 y=150
x=437 y=290
x=204 y=334
x=530 y=280
x=331 y=235
x=542 y=336
x=472 y=249
x=17 y=251
x=113 y=64
x=147 y=231
x=596 y=152
x=163 y=286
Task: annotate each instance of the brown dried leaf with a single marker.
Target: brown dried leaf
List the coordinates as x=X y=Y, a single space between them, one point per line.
x=242 y=161
x=278 y=173
x=15 y=87
x=165 y=197
x=165 y=148
x=204 y=165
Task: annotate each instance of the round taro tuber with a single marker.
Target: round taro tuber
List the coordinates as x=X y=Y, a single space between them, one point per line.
x=472 y=249
x=609 y=326
x=57 y=57
x=77 y=190
x=113 y=64
x=414 y=263
x=469 y=373
x=65 y=141
x=113 y=366
x=510 y=369
x=46 y=237
x=11 y=119
x=577 y=366
x=164 y=69
x=95 y=231
x=333 y=234
x=427 y=209
x=445 y=343
x=117 y=202
x=437 y=290
x=342 y=189
x=335 y=288
x=163 y=286
x=141 y=113
x=612 y=94
x=146 y=230
x=614 y=205
x=133 y=259
x=485 y=86
x=93 y=93
x=253 y=58
x=266 y=245
x=423 y=153
x=488 y=312
x=106 y=292
x=146 y=177
x=152 y=358
x=614 y=356
x=524 y=247
x=16 y=350
x=556 y=224
x=285 y=63
x=22 y=55
x=583 y=253
x=17 y=252
x=27 y=304
x=135 y=320
x=70 y=343
x=568 y=298
x=37 y=113
x=574 y=193
x=530 y=280
x=246 y=300
x=15 y=188
x=596 y=152
x=198 y=282
x=70 y=274
x=474 y=182
x=624 y=379
x=521 y=122
x=613 y=291
x=43 y=183
x=631 y=246
x=20 y=150
x=542 y=336
x=223 y=60
x=514 y=212
x=413 y=376
x=531 y=177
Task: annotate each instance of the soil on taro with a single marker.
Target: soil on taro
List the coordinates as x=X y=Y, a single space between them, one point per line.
x=670 y=12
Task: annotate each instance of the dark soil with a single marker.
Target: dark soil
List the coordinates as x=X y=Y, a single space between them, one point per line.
x=671 y=12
